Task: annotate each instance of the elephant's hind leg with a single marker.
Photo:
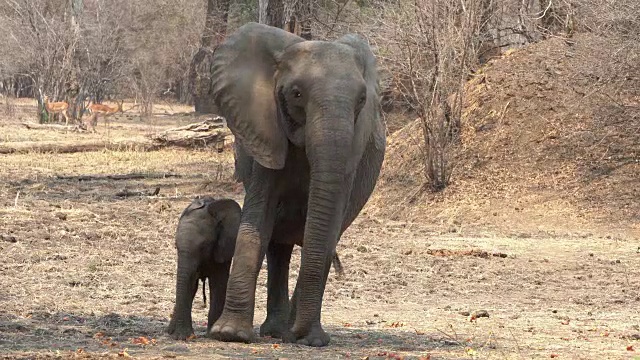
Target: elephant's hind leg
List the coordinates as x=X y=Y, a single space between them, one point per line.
x=278 y=259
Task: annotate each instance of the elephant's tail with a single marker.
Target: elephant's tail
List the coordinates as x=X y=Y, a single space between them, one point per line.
x=204 y=292
x=337 y=265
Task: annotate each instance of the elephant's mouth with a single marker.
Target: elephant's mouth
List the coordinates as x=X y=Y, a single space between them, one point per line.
x=291 y=127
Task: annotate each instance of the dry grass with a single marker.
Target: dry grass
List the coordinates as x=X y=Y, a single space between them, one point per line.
x=81 y=265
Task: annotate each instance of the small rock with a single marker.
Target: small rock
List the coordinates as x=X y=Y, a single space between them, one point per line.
x=9 y=238
x=464 y=313
x=176 y=348
x=61 y=216
x=361 y=248
x=479 y=313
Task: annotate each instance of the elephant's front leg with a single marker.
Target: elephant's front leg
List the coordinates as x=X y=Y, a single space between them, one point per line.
x=278 y=259
x=181 y=327
x=256 y=226
x=316 y=336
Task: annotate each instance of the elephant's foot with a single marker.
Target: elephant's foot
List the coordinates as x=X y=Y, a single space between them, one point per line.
x=316 y=337
x=274 y=326
x=235 y=330
x=176 y=332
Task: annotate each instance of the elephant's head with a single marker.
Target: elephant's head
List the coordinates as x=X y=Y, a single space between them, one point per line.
x=209 y=226
x=275 y=88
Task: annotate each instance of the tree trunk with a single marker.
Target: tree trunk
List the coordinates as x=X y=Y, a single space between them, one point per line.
x=215 y=26
x=215 y=29
x=200 y=81
x=271 y=12
x=297 y=18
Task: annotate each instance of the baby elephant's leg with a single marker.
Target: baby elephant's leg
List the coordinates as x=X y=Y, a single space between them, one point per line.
x=218 y=279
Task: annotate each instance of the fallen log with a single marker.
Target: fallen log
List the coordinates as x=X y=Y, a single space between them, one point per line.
x=57 y=127
x=129 y=193
x=211 y=132
x=78 y=146
x=133 y=176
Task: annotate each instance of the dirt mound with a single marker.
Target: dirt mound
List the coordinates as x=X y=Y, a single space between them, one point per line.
x=550 y=140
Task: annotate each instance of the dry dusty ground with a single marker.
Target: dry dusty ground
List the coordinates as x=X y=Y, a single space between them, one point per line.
x=84 y=273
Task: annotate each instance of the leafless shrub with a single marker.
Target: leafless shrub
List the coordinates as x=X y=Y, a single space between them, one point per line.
x=39 y=45
x=432 y=46
x=9 y=106
x=95 y=49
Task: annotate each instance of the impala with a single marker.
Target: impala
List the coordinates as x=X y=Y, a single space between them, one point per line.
x=105 y=109
x=60 y=107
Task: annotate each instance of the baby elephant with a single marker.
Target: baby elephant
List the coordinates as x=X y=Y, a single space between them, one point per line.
x=206 y=240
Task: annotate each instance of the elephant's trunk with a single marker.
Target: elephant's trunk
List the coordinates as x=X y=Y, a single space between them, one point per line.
x=328 y=145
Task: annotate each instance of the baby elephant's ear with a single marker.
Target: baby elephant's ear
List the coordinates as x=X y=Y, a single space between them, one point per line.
x=226 y=213
x=196 y=204
x=222 y=208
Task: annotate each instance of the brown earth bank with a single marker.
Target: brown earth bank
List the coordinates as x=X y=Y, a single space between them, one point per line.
x=550 y=144
x=530 y=253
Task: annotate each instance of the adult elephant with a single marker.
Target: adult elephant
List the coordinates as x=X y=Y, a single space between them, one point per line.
x=309 y=146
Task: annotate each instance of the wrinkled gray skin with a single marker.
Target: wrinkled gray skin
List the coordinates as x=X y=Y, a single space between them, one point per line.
x=309 y=146
x=205 y=239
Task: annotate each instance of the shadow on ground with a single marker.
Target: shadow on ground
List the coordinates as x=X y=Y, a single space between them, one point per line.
x=42 y=333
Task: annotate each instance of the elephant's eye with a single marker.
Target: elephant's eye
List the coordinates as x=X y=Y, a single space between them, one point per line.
x=363 y=99
x=296 y=93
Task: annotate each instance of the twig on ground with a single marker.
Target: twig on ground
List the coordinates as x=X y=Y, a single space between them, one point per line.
x=128 y=193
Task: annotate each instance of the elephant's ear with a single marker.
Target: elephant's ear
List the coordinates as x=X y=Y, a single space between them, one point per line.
x=369 y=125
x=226 y=213
x=243 y=70
x=197 y=203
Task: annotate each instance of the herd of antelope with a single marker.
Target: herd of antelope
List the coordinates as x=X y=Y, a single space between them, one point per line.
x=95 y=110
